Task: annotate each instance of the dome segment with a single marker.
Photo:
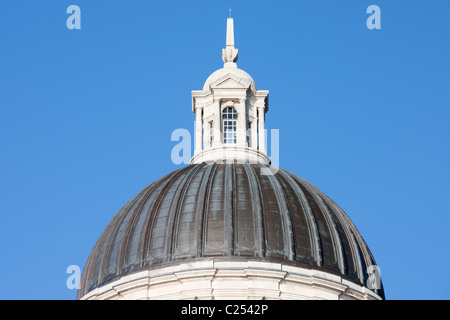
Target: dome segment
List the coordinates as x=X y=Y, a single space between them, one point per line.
x=230 y=213
x=230 y=70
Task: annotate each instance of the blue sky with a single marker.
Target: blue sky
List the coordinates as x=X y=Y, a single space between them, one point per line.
x=87 y=115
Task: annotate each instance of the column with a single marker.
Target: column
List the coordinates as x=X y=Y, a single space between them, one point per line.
x=242 y=124
x=254 y=134
x=198 y=130
x=254 y=127
x=205 y=134
x=261 y=133
x=217 y=125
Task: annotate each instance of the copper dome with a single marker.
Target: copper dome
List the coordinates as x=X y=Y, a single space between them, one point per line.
x=228 y=211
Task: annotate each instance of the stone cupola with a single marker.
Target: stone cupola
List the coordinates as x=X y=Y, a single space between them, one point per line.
x=230 y=113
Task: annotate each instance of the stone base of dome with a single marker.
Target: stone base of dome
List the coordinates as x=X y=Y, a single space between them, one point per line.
x=231 y=280
x=245 y=155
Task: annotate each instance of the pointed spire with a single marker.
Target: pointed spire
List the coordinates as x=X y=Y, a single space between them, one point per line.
x=230 y=53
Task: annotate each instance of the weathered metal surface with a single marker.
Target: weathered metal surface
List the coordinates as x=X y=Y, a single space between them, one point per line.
x=228 y=211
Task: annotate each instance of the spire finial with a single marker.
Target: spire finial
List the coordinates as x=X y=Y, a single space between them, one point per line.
x=230 y=53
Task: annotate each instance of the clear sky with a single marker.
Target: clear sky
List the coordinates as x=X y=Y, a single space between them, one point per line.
x=87 y=116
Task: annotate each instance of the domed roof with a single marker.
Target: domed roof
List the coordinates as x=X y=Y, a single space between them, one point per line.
x=230 y=212
x=230 y=68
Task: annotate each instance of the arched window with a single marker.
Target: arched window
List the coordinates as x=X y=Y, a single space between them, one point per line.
x=229 y=117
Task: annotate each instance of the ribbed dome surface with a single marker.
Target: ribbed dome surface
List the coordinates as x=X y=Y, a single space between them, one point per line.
x=228 y=211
